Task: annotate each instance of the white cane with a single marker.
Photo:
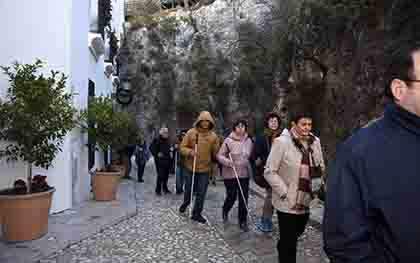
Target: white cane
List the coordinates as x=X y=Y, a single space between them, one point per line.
x=176 y=164
x=193 y=175
x=239 y=182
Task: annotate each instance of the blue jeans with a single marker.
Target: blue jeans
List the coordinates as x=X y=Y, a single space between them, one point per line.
x=201 y=181
x=179 y=179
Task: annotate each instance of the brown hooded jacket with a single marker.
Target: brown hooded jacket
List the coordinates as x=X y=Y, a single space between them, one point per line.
x=207 y=148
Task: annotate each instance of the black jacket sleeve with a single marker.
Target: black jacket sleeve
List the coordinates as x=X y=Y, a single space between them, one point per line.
x=154 y=147
x=346 y=226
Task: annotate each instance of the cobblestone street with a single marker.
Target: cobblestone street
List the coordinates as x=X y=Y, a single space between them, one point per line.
x=158 y=233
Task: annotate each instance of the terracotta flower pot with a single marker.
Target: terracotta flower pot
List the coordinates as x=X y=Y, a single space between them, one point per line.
x=120 y=168
x=125 y=161
x=105 y=185
x=25 y=217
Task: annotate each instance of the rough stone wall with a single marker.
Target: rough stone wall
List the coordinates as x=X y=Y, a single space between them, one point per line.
x=200 y=66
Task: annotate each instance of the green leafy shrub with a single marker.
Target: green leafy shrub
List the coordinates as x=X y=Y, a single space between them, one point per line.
x=35 y=116
x=108 y=128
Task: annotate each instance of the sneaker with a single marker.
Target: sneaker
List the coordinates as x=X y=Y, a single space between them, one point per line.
x=244 y=226
x=166 y=191
x=265 y=225
x=259 y=224
x=141 y=181
x=214 y=182
x=179 y=192
x=200 y=219
x=225 y=217
x=182 y=208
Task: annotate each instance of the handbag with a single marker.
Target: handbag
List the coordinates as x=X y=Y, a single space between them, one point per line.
x=259 y=177
x=321 y=193
x=259 y=170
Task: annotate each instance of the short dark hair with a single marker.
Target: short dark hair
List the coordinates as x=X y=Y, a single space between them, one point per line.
x=240 y=121
x=296 y=117
x=272 y=115
x=400 y=63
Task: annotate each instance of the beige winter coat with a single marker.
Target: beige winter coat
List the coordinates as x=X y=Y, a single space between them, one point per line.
x=282 y=170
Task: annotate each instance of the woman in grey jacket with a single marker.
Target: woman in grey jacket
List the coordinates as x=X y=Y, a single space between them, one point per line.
x=294 y=161
x=239 y=146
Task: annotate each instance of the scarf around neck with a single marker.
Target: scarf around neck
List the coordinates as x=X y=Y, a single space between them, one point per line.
x=304 y=192
x=272 y=134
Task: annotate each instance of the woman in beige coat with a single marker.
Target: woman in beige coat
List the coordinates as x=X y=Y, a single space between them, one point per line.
x=295 y=160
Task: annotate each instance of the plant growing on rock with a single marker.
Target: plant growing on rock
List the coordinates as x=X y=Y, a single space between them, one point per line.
x=167 y=24
x=35 y=116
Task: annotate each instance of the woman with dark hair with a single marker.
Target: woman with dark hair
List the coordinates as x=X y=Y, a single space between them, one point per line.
x=272 y=130
x=234 y=156
x=294 y=161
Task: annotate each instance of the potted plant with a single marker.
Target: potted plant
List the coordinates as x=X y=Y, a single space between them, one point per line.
x=35 y=116
x=108 y=129
x=128 y=136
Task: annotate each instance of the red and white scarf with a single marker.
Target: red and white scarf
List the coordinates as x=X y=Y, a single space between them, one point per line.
x=304 y=194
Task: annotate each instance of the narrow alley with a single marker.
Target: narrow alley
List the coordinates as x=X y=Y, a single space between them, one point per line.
x=158 y=233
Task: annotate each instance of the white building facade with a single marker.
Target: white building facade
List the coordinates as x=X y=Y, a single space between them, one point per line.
x=60 y=34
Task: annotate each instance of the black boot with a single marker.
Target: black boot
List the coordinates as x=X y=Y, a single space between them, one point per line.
x=183 y=208
x=199 y=218
x=225 y=217
x=158 y=191
x=244 y=226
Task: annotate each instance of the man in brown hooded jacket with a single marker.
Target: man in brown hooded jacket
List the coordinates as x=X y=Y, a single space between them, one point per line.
x=207 y=147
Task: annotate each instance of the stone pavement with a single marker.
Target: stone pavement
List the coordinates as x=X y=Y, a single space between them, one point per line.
x=72 y=226
x=158 y=233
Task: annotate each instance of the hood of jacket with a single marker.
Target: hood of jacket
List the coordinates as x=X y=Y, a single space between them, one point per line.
x=235 y=137
x=205 y=116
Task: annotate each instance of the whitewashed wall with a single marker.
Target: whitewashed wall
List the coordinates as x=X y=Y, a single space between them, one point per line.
x=80 y=183
x=57 y=32
x=118 y=16
x=39 y=30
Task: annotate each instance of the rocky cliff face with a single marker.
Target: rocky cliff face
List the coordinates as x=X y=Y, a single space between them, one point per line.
x=214 y=58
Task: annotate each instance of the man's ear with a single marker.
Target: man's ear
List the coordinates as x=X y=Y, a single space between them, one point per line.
x=397 y=88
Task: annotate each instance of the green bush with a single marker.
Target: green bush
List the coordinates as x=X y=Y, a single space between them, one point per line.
x=108 y=128
x=35 y=116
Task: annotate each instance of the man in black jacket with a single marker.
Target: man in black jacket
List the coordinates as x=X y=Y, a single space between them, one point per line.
x=372 y=204
x=161 y=151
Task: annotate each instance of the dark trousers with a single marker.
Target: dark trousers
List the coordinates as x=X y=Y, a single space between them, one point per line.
x=162 y=177
x=201 y=181
x=232 y=193
x=179 y=179
x=291 y=227
x=140 y=171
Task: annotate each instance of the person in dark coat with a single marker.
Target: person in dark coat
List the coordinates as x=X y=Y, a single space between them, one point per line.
x=130 y=151
x=161 y=151
x=262 y=146
x=372 y=206
x=142 y=156
x=179 y=173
